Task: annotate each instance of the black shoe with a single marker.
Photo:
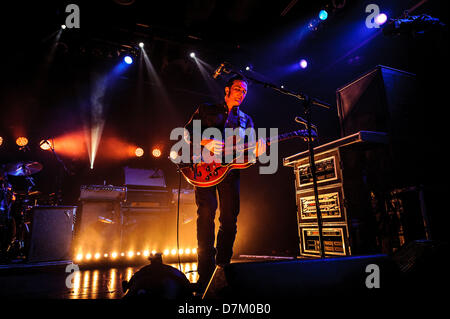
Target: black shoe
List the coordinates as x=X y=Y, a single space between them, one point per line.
x=198 y=287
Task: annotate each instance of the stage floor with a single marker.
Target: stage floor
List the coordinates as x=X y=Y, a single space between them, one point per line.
x=89 y=283
x=51 y=280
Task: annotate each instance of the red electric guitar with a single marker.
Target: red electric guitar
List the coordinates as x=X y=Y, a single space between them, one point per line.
x=209 y=174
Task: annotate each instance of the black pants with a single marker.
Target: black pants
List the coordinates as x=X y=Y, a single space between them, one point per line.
x=206 y=199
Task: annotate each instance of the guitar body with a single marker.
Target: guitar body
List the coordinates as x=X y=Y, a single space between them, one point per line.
x=210 y=174
x=205 y=174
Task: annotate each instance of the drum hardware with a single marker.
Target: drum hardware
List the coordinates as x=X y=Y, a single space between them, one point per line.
x=24 y=168
x=16 y=209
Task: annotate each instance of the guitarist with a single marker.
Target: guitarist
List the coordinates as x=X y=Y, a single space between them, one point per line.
x=223 y=115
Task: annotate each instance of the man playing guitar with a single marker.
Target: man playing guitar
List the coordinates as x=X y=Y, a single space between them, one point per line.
x=220 y=116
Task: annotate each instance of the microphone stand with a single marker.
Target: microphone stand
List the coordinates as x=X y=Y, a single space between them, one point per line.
x=307 y=103
x=59 y=181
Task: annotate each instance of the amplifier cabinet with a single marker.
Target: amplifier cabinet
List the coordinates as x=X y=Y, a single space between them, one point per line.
x=99 y=226
x=348 y=171
x=334 y=236
x=328 y=170
x=331 y=200
x=52 y=233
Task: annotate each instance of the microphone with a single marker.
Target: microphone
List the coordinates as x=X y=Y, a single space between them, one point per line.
x=218 y=71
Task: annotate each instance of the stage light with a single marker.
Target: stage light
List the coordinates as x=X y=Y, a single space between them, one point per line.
x=21 y=141
x=156 y=152
x=180 y=251
x=173 y=155
x=1 y=140
x=141 y=44
x=139 y=152
x=127 y=59
x=313 y=25
x=323 y=15
x=303 y=63
x=45 y=145
x=381 y=18
x=63 y=26
x=88 y=256
x=114 y=255
x=79 y=257
x=130 y=254
x=173 y=251
x=247 y=68
x=138 y=253
x=192 y=55
x=153 y=252
x=166 y=252
x=187 y=251
x=194 y=250
x=105 y=255
x=122 y=254
x=146 y=253
x=97 y=256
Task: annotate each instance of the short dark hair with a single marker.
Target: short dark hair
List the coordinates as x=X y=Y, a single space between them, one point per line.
x=236 y=77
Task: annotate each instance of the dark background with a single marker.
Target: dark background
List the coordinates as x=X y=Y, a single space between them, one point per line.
x=47 y=95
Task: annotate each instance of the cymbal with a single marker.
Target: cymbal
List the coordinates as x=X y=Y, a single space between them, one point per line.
x=23 y=168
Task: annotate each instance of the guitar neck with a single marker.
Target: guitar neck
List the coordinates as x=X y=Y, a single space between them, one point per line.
x=278 y=138
x=286 y=136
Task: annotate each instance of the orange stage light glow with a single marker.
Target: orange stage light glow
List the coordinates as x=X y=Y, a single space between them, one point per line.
x=139 y=152
x=156 y=152
x=113 y=148
x=22 y=141
x=71 y=144
x=45 y=145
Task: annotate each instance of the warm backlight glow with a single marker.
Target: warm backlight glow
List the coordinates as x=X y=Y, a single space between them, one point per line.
x=139 y=152
x=45 y=145
x=22 y=141
x=130 y=254
x=156 y=152
x=173 y=155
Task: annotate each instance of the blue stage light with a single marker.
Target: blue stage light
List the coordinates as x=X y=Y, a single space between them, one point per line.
x=381 y=18
x=128 y=59
x=303 y=63
x=323 y=15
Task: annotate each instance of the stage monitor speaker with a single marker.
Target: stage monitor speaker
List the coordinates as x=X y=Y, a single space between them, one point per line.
x=52 y=233
x=297 y=278
x=388 y=100
x=382 y=100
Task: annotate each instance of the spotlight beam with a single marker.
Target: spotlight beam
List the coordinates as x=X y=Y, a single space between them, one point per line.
x=205 y=70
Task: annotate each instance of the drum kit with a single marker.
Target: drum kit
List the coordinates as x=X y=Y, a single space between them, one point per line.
x=16 y=209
